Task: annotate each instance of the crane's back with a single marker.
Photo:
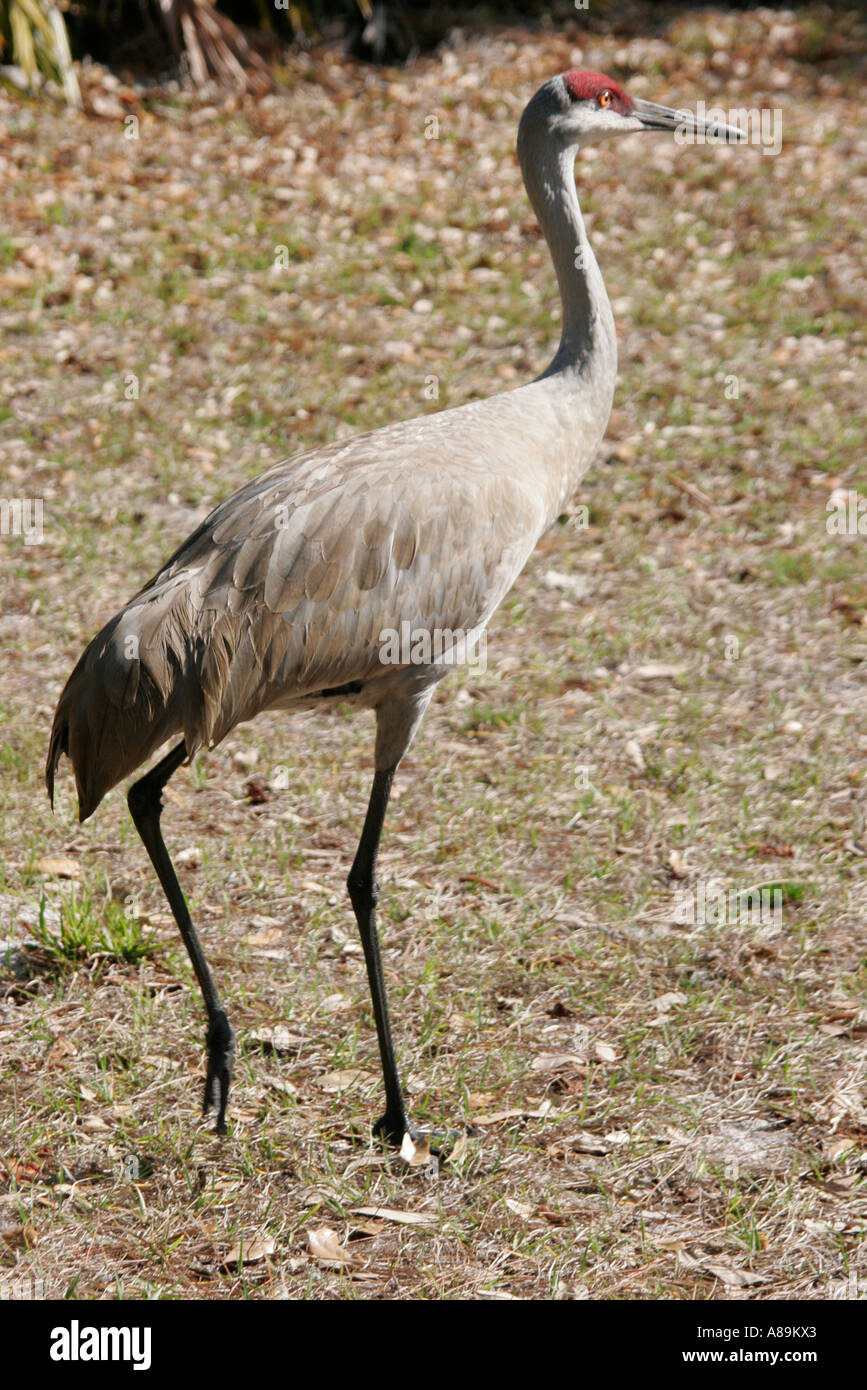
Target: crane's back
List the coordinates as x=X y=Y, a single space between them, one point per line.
x=283 y=591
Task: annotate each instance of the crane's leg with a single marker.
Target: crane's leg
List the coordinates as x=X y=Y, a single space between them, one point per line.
x=145 y=802
x=364 y=892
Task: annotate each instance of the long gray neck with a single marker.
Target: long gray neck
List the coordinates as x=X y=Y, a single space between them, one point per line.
x=588 y=324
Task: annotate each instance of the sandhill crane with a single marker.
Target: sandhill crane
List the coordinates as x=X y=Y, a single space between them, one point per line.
x=280 y=598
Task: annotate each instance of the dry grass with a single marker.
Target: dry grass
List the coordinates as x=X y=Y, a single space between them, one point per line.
x=665 y=1110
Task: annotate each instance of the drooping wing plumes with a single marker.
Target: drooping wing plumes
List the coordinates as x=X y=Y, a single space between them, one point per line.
x=284 y=590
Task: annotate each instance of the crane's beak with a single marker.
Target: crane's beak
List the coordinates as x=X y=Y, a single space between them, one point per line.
x=690 y=127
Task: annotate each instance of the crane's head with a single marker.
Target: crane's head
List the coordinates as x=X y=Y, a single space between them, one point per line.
x=580 y=107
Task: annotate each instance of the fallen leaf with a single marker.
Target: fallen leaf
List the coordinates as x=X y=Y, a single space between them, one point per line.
x=272 y=937
x=276 y=1083
x=415 y=1152
x=734 y=1278
x=336 y=1081
x=366 y=1228
x=22 y=1237
x=460 y=1023
x=589 y=1144
x=337 y=1004
x=60 y=1048
x=618 y=1136
x=575 y=585
x=326 y=1248
x=837 y=1147
x=604 y=1052
x=554 y=1218
x=59 y=867
x=665 y=1002
x=483 y=882
x=656 y=670
x=635 y=755
x=558 y=1061
x=460 y=1149
x=277 y=1039
x=402 y=1218
x=676 y=864
x=848 y=609
x=500 y=1115
x=94 y=1124
x=22 y=1170
x=250 y=1252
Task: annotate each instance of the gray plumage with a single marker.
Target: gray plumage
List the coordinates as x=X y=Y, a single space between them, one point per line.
x=283 y=591
x=280 y=598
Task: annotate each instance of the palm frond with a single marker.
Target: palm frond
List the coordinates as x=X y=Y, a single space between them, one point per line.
x=33 y=34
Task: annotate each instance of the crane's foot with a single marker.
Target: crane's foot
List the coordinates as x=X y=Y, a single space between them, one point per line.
x=393 y=1128
x=220 y=1042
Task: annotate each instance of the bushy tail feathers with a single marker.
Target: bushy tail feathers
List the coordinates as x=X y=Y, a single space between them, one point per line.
x=124 y=698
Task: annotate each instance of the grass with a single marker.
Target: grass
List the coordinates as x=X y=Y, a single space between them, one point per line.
x=91 y=932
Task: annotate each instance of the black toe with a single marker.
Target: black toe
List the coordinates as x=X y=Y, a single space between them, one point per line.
x=220 y=1043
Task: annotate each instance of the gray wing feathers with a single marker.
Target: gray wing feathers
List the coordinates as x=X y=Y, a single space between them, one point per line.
x=300 y=605
x=285 y=589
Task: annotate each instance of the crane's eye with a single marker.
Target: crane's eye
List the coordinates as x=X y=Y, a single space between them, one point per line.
x=604 y=98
